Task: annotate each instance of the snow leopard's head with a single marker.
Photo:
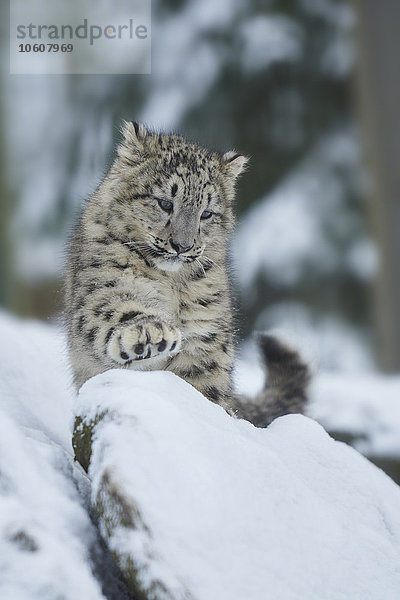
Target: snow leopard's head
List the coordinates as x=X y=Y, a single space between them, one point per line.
x=175 y=197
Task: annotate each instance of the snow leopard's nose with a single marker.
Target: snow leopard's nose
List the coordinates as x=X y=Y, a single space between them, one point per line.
x=180 y=248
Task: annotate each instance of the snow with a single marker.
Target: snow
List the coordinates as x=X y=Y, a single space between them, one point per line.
x=35 y=385
x=45 y=531
x=43 y=527
x=227 y=510
x=224 y=510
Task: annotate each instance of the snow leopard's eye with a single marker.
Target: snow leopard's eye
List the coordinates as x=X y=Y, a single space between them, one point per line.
x=206 y=214
x=165 y=205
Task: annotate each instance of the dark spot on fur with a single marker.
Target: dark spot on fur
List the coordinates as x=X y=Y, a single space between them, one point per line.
x=204 y=301
x=211 y=366
x=213 y=393
x=116 y=265
x=128 y=316
x=209 y=337
x=92 y=334
x=174 y=189
x=109 y=334
x=111 y=283
x=80 y=303
x=104 y=241
x=224 y=348
x=81 y=323
x=173 y=346
x=197 y=371
x=193 y=371
x=200 y=274
x=234 y=157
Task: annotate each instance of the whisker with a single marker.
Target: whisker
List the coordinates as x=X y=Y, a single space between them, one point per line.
x=212 y=262
x=197 y=261
x=143 y=247
x=134 y=243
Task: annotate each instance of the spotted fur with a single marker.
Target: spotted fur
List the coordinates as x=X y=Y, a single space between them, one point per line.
x=147 y=284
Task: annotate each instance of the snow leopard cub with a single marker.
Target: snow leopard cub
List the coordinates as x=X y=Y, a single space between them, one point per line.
x=147 y=284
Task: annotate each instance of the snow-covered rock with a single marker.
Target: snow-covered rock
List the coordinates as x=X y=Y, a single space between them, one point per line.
x=209 y=506
x=195 y=504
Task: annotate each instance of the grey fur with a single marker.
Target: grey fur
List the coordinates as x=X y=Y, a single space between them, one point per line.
x=286 y=391
x=131 y=301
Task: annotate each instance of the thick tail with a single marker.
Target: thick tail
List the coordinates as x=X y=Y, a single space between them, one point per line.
x=286 y=391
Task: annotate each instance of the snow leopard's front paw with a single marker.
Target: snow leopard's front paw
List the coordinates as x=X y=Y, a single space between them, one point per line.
x=142 y=340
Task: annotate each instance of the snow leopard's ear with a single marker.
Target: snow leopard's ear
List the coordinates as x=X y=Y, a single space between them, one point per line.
x=134 y=137
x=233 y=163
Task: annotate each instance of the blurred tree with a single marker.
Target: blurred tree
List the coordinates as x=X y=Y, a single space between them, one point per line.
x=6 y=250
x=5 y=242
x=379 y=100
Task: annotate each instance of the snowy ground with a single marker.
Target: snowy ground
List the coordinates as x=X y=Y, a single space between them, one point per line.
x=230 y=511
x=45 y=532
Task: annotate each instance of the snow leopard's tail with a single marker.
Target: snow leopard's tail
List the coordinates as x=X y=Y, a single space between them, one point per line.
x=286 y=391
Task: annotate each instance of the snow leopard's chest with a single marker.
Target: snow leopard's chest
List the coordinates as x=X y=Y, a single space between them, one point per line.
x=201 y=305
